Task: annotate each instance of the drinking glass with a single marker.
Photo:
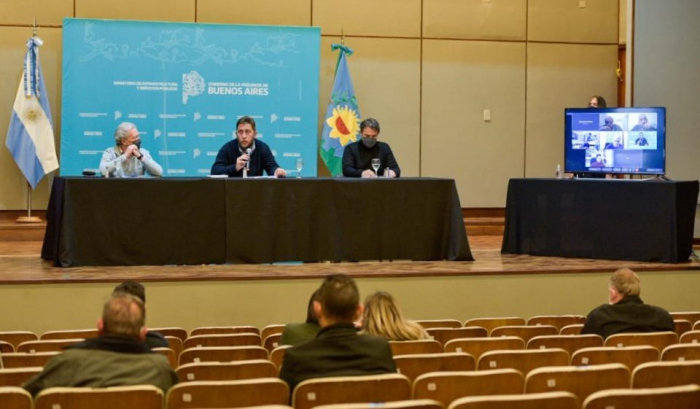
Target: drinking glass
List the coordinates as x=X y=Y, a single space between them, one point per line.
x=300 y=166
x=375 y=165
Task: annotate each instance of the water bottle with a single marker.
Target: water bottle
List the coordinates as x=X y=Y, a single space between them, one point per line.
x=386 y=172
x=558 y=173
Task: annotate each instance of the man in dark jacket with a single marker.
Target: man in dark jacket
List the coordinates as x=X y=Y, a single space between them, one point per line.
x=626 y=312
x=358 y=156
x=117 y=357
x=153 y=339
x=338 y=349
x=245 y=155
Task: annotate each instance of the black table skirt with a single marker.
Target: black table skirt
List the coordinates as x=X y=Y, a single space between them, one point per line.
x=215 y=221
x=650 y=220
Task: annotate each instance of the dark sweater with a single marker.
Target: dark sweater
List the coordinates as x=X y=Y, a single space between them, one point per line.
x=629 y=315
x=357 y=157
x=260 y=159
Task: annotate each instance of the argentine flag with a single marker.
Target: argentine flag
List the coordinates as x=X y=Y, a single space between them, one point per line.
x=30 y=136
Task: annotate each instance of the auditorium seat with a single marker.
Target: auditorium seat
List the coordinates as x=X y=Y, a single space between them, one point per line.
x=25 y=359
x=277 y=355
x=6 y=347
x=692 y=316
x=240 y=329
x=271 y=329
x=53 y=345
x=569 y=343
x=677 y=397
x=176 y=344
x=668 y=373
x=446 y=387
x=222 y=340
x=17 y=337
x=423 y=346
x=228 y=394
x=443 y=335
x=658 y=340
x=690 y=337
x=579 y=380
x=548 y=400
x=523 y=361
x=17 y=376
x=117 y=397
x=696 y=326
x=15 y=397
x=69 y=334
x=221 y=354
x=493 y=322
x=681 y=352
x=227 y=371
x=629 y=356
x=446 y=323
x=401 y=404
x=168 y=353
x=682 y=326
x=524 y=331
x=176 y=332
x=414 y=365
x=272 y=341
x=477 y=346
x=573 y=329
x=559 y=321
x=351 y=389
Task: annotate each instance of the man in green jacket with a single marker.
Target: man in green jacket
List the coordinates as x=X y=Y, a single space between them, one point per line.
x=117 y=357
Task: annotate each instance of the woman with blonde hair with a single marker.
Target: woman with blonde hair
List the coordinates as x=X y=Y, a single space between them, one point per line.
x=382 y=318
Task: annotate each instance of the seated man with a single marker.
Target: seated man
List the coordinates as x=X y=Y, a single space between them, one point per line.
x=357 y=156
x=610 y=125
x=127 y=158
x=338 y=350
x=246 y=152
x=153 y=339
x=598 y=162
x=641 y=140
x=643 y=124
x=626 y=311
x=117 y=357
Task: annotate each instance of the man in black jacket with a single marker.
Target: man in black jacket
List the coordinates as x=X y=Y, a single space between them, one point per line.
x=357 y=156
x=626 y=312
x=338 y=349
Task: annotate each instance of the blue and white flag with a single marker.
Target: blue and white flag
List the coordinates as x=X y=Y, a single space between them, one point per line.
x=30 y=136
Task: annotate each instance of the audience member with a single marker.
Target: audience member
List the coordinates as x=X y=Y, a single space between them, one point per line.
x=357 y=156
x=626 y=312
x=117 y=357
x=597 y=101
x=338 y=349
x=153 y=339
x=246 y=153
x=294 y=334
x=127 y=158
x=382 y=318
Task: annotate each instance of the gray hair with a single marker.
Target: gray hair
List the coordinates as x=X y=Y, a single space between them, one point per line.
x=370 y=123
x=626 y=282
x=122 y=132
x=123 y=315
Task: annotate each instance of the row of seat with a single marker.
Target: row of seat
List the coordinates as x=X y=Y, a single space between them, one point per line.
x=439 y=389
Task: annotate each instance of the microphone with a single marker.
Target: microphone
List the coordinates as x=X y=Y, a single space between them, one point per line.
x=247 y=164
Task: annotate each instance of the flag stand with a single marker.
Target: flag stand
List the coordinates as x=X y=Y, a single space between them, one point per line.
x=29 y=218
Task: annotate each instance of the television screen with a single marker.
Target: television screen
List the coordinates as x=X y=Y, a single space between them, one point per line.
x=615 y=140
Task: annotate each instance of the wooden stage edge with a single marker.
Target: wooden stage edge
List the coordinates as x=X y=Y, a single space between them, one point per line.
x=20 y=264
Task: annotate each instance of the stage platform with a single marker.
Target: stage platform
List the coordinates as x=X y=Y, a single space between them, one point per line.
x=20 y=264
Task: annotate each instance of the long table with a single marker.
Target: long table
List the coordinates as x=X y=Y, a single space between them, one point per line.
x=640 y=220
x=149 y=221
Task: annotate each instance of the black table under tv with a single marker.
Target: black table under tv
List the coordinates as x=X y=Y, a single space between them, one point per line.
x=639 y=220
x=163 y=221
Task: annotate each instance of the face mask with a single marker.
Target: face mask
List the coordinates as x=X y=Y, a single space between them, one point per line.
x=369 y=142
x=137 y=143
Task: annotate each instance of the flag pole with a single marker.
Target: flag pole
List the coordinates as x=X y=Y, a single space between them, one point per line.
x=29 y=218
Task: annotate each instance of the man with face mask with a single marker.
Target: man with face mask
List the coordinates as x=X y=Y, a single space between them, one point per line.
x=357 y=157
x=127 y=158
